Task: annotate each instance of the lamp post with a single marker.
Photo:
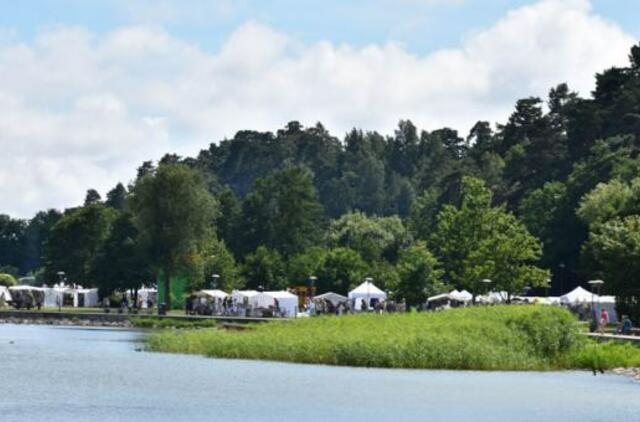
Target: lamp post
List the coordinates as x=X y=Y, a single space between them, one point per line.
x=486 y=283
x=562 y=267
x=368 y=280
x=595 y=284
x=546 y=287
x=311 y=291
x=214 y=280
x=61 y=278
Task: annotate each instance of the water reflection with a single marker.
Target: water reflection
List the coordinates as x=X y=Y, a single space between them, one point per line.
x=78 y=374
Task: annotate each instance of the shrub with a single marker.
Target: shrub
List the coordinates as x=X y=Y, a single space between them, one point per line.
x=7 y=280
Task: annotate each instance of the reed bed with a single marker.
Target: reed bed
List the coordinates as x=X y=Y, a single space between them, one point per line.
x=479 y=338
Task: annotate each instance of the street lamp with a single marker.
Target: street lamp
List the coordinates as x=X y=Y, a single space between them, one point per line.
x=214 y=282
x=61 y=278
x=486 y=282
x=546 y=287
x=562 y=267
x=595 y=284
x=368 y=280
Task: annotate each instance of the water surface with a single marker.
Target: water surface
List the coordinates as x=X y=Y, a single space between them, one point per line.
x=73 y=374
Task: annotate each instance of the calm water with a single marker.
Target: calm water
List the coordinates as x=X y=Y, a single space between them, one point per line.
x=72 y=374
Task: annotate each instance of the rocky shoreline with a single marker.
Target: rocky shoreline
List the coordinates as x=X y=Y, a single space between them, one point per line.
x=627 y=372
x=78 y=322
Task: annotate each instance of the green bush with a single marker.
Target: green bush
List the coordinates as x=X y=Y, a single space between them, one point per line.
x=490 y=338
x=7 y=280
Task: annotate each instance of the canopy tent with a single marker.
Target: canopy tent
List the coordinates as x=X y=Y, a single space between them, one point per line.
x=577 y=295
x=332 y=297
x=368 y=292
x=493 y=297
x=5 y=295
x=214 y=294
x=18 y=294
x=147 y=296
x=87 y=298
x=461 y=296
x=441 y=296
x=52 y=297
x=242 y=296
x=287 y=302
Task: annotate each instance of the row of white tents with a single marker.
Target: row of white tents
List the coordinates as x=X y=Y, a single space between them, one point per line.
x=286 y=301
x=55 y=296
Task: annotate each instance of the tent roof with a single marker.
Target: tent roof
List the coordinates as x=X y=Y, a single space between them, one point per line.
x=332 y=296
x=578 y=294
x=367 y=288
x=26 y=288
x=215 y=293
x=247 y=293
x=282 y=294
x=438 y=297
x=462 y=296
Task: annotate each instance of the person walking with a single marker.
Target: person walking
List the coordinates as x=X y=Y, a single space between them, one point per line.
x=604 y=319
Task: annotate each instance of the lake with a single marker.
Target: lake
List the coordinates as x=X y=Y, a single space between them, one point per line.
x=74 y=374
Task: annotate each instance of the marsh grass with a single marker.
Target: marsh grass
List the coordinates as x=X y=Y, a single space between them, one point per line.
x=481 y=338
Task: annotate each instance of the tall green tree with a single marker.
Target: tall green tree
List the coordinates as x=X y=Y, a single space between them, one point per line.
x=75 y=241
x=265 y=268
x=174 y=213
x=282 y=212
x=476 y=241
x=341 y=270
x=420 y=274
x=120 y=263
x=373 y=238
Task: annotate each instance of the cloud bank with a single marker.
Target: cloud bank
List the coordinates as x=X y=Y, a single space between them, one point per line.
x=81 y=111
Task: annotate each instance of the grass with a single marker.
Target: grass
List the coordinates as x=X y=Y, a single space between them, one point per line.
x=482 y=338
x=165 y=323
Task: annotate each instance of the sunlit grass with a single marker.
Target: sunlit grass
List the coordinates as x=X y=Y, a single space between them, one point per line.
x=493 y=338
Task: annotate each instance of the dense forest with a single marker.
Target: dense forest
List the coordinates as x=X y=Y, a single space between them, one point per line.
x=545 y=201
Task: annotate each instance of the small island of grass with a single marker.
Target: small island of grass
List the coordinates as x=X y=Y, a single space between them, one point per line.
x=479 y=338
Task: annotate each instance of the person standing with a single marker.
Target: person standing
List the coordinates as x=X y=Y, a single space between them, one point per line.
x=604 y=319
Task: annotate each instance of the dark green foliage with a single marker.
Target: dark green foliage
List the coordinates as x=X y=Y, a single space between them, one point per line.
x=120 y=263
x=282 y=212
x=174 y=213
x=264 y=268
x=75 y=242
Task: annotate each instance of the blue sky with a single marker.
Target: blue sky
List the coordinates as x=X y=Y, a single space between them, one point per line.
x=91 y=88
x=421 y=25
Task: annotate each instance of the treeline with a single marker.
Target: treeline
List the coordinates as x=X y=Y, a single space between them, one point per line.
x=551 y=193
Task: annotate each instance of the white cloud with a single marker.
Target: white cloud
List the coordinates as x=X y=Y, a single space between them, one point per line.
x=81 y=111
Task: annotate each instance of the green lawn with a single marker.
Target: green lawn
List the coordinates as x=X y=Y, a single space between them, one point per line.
x=484 y=338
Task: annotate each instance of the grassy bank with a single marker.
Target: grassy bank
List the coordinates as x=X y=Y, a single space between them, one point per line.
x=494 y=338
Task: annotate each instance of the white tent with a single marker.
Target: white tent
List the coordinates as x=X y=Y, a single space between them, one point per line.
x=366 y=291
x=5 y=294
x=577 y=295
x=332 y=297
x=287 y=302
x=239 y=296
x=87 y=297
x=145 y=294
x=441 y=296
x=462 y=296
x=215 y=294
x=52 y=296
x=493 y=297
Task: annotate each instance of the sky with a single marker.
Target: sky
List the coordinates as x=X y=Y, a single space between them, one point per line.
x=90 y=89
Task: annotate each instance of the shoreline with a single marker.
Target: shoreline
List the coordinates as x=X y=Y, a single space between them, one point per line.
x=75 y=322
